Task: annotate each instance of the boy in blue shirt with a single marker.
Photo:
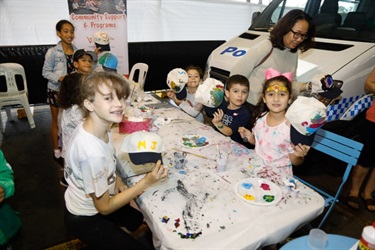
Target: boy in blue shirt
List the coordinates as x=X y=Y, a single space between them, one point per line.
x=232 y=114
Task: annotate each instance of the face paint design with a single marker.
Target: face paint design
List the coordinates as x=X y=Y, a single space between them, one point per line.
x=277 y=88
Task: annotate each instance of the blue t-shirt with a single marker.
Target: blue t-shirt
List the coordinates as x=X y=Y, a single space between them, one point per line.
x=232 y=118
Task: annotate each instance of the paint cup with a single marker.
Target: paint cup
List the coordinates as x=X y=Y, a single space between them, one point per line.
x=317 y=239
x=222 y=161
x=179 y=161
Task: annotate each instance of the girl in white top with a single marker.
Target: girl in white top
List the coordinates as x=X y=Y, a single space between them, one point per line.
x=186 y=98
x=97 y=201
x=270 y=130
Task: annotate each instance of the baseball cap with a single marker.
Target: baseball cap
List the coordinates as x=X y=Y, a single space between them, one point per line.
x=109 y=62
x=210 y=93
x=306 y=115
x=143 y=147
x=79 y=53
x=176 y=79
x=101 y=39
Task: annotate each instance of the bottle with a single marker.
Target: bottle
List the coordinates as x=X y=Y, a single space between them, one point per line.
x=367 y=241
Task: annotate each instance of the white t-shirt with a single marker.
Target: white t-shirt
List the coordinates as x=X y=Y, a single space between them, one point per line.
x=90 y=167
x=70 y=119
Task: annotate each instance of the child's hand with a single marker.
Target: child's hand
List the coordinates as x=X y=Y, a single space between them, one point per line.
x=218 y=116
x=158 y=173
x=198 y=106
x=171 y=94
x=300 y=150
x=245 y=134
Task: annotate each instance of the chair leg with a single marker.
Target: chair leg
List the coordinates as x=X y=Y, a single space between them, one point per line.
x=30 y=117
x=1 y=122
x=9 y=113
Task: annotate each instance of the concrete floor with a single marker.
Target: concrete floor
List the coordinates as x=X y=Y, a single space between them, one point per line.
x=39 y=196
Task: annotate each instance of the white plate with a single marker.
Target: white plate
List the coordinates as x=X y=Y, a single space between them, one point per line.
x=258 y=191
x=194 y=141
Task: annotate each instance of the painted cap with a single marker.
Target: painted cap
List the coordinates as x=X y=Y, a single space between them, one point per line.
x=143 y=147
x=306 y=115
x=176 y=79
x=210 y=93
x=101 y=39
x=109 y=62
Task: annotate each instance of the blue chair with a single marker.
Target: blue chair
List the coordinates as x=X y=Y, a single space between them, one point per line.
x=341 y=148
x=334 y=242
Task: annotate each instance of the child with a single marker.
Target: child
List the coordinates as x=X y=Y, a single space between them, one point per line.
x=97 y=201
x=58 y=63
x=84 y=61
x=232 y=114
x=70 y=114
x=186 y=98
x=270 y=130
x=68 y=98
x=10 y=223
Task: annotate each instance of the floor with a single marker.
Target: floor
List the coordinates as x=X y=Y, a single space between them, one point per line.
x=39 y=196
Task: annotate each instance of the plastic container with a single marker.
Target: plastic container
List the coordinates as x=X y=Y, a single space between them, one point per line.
x=367 y=241
x=129 y=127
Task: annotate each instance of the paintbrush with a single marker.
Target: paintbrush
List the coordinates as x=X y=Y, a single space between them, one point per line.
x=157 y=91
x=197 y=155
x=128 y=177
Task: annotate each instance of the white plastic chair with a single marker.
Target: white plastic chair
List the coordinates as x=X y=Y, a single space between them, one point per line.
x=142 y=73
x=13 y=90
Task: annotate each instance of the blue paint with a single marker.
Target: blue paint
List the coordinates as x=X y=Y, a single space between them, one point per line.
x=182 y=172
x=247 y=185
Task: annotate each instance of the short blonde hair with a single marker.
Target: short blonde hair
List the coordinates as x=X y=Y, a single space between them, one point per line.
x=91 y=83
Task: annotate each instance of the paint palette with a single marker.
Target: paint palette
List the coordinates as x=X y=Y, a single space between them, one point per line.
x=258 y=191
x=194 y=141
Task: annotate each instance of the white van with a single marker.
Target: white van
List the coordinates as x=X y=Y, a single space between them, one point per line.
x=344 y=48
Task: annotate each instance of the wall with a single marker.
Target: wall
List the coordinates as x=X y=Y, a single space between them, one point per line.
x=160 y=56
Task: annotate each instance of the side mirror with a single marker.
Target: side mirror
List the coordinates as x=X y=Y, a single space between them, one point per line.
x=255 y=15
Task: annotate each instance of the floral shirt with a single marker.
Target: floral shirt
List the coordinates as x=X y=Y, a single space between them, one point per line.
x=273 y=145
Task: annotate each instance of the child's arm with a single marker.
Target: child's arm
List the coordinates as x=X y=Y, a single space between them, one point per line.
x=106 y=204
x=193 y=111
x=244 y=132
x=172 y=95
x=298 y=156
x=216 y=121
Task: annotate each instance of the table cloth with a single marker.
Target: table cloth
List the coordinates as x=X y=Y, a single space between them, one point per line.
x=198 y=207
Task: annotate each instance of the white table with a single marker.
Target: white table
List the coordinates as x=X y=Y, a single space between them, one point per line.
x=199 y=202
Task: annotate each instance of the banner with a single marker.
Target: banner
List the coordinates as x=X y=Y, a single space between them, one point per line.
x=102 y=24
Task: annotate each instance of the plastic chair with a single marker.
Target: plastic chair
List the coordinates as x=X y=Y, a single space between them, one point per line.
x=13 y=90
x=341 y=148
x=142 y=69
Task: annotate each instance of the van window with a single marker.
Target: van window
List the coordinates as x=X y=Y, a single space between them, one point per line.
x=352 y=20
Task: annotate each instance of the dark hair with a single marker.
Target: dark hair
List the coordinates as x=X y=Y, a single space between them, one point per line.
x=93 y=81
x=200 y=71
x=286 y=23
x=61 y=23
x=69 y=91
x=237 y=79
x=261 y=108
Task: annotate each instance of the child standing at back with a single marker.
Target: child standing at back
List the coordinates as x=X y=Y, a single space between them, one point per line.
x=57 y=64
x=97 y=201
x=68 y=99
x=232 y=114
x=186 y=98
x=269 y=130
